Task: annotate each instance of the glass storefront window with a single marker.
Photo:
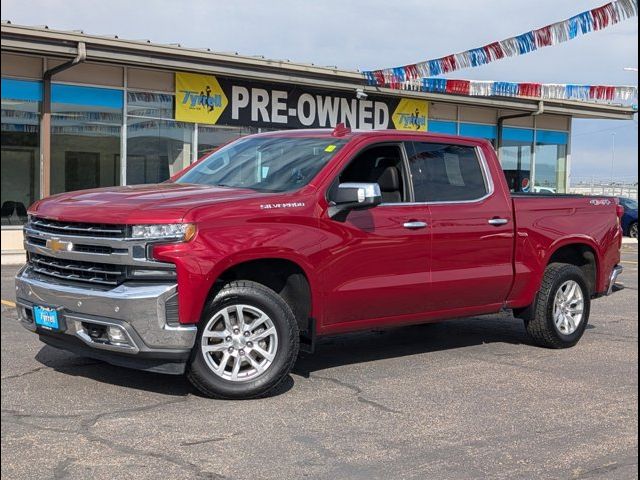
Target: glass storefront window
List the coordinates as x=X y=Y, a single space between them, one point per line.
x=147 y=104
x=515 y=156
x=85 y=137
x=516 y=163
x=210 y=137
x=157 y=146
x=551 y=161
x=156 y=149
x=20 y=155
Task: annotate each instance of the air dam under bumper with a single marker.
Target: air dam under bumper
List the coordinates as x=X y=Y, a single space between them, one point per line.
x=125 y=326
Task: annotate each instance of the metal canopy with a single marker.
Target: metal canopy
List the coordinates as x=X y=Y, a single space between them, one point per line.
x=113 y=50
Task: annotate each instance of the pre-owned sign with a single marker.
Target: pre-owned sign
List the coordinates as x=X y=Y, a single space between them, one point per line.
x=215 y=100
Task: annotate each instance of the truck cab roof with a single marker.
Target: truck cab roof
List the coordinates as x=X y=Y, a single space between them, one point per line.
x=379 y=134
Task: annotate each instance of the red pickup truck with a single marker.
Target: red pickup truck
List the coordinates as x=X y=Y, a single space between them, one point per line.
x=228 y=269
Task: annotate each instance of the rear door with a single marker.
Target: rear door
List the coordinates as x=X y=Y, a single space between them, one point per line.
x=471 y=225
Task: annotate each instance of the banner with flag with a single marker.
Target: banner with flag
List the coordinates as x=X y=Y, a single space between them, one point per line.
x=542 y=91
x=559 y=32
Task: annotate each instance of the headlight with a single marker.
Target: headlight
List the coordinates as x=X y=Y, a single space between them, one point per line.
x=175 y=231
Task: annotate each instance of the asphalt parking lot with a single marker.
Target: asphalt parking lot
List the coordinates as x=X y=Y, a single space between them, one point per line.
x=464 y=399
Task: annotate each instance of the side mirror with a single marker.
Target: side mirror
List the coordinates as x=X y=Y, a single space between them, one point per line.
x=354 y=196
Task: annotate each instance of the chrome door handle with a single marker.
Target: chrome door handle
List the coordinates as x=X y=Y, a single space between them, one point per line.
x=414 y=225
x=496 y=222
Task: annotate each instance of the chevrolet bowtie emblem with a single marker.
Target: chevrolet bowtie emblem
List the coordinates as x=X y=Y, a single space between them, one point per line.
x=57 y=245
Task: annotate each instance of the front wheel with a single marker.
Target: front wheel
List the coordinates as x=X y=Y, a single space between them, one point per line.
x=559 y=316
x=633 y=230
x=247 y=343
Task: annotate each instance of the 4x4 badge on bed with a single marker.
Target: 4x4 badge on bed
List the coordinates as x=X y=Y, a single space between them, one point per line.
x=602 y=201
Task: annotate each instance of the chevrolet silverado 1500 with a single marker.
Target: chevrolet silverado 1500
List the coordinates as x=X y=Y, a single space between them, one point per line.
x=229 y=268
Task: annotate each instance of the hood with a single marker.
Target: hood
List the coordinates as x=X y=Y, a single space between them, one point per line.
x=159 y=203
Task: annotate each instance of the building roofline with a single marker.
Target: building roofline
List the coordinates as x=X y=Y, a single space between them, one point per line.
x=141 y=53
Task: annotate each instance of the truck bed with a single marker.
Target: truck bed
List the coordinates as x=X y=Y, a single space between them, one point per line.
x=544 y=223
x=546 y=195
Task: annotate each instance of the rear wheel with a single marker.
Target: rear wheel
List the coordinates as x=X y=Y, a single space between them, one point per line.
x=633 y=230
x=247 y=343
x=559 y=316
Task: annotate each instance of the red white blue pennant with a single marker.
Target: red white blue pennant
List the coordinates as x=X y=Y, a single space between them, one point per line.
x=543 y=91
x=559 y=32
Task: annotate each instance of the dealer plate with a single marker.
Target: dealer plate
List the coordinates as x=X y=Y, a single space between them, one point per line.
x=46 y=317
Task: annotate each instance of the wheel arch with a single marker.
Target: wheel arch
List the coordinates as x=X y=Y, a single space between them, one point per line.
x=285 y=276
x=582 y=253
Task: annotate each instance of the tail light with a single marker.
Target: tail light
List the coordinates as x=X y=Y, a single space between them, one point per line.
x=620 y=214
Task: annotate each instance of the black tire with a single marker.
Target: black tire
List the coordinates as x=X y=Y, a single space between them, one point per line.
x=633 y=230
x=538 y=317
x=265 y=299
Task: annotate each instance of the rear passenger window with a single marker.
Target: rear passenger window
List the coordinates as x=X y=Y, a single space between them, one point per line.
x=445 y=173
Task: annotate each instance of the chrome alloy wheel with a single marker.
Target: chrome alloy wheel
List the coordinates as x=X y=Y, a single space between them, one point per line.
x=239 y=343
x=568 y=307
x=633 y=231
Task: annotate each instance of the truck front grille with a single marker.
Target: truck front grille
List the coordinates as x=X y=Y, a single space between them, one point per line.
x=78 y=247
x=93 y=254
x=86 y=272
x=78 y=229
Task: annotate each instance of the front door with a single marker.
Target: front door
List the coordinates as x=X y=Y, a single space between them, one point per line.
x=379 y=265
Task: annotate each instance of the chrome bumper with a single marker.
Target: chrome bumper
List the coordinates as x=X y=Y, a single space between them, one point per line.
x=617 y=271
x=136 y=309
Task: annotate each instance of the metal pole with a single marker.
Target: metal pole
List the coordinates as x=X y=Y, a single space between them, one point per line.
x=613 y=156
x=45 y=117
x=194 y=141
x=123 y=127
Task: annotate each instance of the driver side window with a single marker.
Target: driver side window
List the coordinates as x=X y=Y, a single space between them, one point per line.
x=382 y=165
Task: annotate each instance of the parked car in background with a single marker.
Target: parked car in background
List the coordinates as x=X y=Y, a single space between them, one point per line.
x=630 y=218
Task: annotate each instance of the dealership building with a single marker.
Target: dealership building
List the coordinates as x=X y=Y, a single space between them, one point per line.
x=83 y=111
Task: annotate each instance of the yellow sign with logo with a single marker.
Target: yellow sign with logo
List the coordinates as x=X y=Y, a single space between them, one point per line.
x=411 y=114
x=199 y=98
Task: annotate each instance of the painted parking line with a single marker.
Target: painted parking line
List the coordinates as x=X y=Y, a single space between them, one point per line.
x=629 y=262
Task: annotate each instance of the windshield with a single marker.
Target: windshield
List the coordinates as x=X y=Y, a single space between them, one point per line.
x=267 y=164
x=629 y=203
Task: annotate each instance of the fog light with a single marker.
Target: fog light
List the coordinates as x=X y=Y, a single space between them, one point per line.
x=117 y=336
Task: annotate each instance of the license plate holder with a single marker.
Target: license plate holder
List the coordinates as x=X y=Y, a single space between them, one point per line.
x=48 y=318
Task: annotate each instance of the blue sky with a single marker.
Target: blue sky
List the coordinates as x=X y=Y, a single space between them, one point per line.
x=372 y=34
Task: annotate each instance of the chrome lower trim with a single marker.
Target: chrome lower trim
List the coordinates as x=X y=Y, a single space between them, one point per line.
x=617 y=271
x=74 y=326
x=136 y=307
